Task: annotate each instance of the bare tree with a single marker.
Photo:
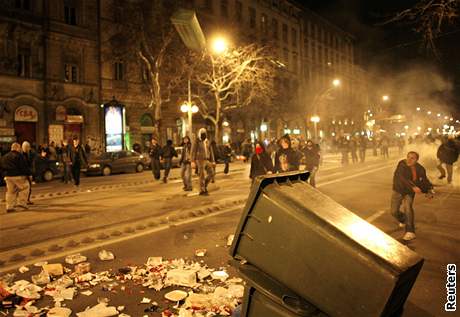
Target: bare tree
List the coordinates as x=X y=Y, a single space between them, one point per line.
x=239 y=78
x=145 y=35
x=428 y=17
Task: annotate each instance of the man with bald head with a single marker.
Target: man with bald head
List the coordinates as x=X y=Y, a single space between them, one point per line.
x=16 y=171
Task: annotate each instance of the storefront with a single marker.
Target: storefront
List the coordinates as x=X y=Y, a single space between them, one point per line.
x=25 y=124
x=147 y=130
x=68 y=124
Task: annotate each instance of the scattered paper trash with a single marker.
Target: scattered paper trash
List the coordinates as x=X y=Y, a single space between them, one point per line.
x=105 y=255
x=154 y=261
x=23 y=269
x=59 y=312
x=75 y=258
x=41 y=279
x=219 y=275
x=55 y=269
x=100 y=310
x=145 y=300
x=200 y=252
x=40 y=264
x=86 y=293
x=181 y=277
x=83 y=267
x=176 y=296
x=230 y=240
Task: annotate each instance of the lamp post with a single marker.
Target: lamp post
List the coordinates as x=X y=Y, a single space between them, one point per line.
x=190 y=109
x=315 y=119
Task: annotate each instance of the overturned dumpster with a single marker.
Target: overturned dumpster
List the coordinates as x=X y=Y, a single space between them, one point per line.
x=304 y=254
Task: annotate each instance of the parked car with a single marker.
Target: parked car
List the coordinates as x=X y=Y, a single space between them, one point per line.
x=116 y=162
x=46 y=170
x=175 y=160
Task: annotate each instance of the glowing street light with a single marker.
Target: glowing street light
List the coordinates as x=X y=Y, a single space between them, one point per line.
x=219 y=45
x=190 y=109
x=315 y=119
x=406 y=127
x=446 y=117
x=418 y=109
x=385 y=98
x=439 y=115
x=336 y=82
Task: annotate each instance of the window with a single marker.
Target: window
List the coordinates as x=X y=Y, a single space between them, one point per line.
x=224 y=8
x=24 y=67
x=285 y=33
x=70 y=12
x=286 y=56
x=263 y=23
x=70 y=73
x=294 y=37
x=22 y=4
x=275 y=28
x=238 y=11
x=252 y=17
x=119 y=71
x=294 y=62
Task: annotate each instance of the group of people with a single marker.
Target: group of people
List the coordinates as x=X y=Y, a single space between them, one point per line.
x=19 y=165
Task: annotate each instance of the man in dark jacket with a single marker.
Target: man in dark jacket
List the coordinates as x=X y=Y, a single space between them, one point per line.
x=155 y=153
x=203 y=156
x=409 y=179
x=78 y=159
x=312 y=158
x=261 y=163
x=16 y=171
x=186 y=164
x=167 y=154
x=227 y=157
x=448 y=155
x=286 y=158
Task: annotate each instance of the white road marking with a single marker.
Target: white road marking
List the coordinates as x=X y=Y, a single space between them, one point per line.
x=375 y=216
x=355 y=175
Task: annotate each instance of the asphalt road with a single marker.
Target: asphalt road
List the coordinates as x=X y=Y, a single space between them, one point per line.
x=162 y=221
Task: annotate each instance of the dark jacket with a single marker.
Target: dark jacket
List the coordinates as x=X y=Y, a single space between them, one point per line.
x=290 y=157
x=402 y=179
x=78 y=155
x=168 y=152
x=447 y=152
x=311 y=156
x=226 y=153
x=15 y=164
x=186 y=156
x=261 y=164
x=155 y=152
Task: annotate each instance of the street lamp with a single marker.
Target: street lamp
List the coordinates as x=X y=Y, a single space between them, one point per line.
x=190 y=109
x=315 y=119
x=219 y=45
x=336 y=82
x=385 y=98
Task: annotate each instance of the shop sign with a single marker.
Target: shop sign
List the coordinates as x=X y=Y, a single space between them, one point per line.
x=147 y=130
x=61 y=113
x=74 y=119
x=26 y=114
x=56 y=133
x=240 y=130
x=6 y=131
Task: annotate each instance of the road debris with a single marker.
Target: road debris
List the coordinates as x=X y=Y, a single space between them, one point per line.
x=105 y=255
x=75 y=258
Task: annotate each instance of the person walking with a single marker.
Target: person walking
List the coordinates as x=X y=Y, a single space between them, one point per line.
x=261 y=162
x=312 y=157
x=66 y=162
x=167 y=154
x=227 y=157
x=362 y=144
x=354 y=150
x=409 y=179
x=16 y=171
x=155 y=153
x=447 y=154
x=203 y=157
x=384 y=145
x=29 y=156
x=78 y=160
x=286 y=159
x=344 y=149
x=186 y=164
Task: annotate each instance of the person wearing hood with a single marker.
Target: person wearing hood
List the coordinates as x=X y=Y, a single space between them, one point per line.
x=312 y=157
x=155 y=153
x=203 y=156
x=167 y=154
x=185 y=163
x=261 y=163
x=447 y=154
x=286 y=158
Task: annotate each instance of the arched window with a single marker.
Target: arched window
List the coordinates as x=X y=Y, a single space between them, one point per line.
x=146 y=120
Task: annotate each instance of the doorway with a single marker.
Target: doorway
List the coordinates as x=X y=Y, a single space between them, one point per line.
x=25 y=131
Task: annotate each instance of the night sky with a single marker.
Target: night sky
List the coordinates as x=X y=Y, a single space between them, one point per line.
x=392 y=46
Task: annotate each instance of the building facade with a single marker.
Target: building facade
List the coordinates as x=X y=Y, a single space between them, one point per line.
x=55 y=77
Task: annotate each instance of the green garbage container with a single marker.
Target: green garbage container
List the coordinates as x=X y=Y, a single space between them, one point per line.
x=321 y=251
x=264 y=296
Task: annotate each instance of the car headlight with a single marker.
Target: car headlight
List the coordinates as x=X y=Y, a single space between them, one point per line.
x=142 y=156
x=95 y=165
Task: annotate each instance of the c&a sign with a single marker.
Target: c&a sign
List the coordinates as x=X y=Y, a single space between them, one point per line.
x=26 y=113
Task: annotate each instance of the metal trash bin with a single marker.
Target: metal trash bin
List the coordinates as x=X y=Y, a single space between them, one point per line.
x=266 y=297
x=321 y=251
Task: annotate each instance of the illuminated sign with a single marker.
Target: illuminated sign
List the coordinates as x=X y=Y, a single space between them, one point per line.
x=26 y=114
x=114 y=128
